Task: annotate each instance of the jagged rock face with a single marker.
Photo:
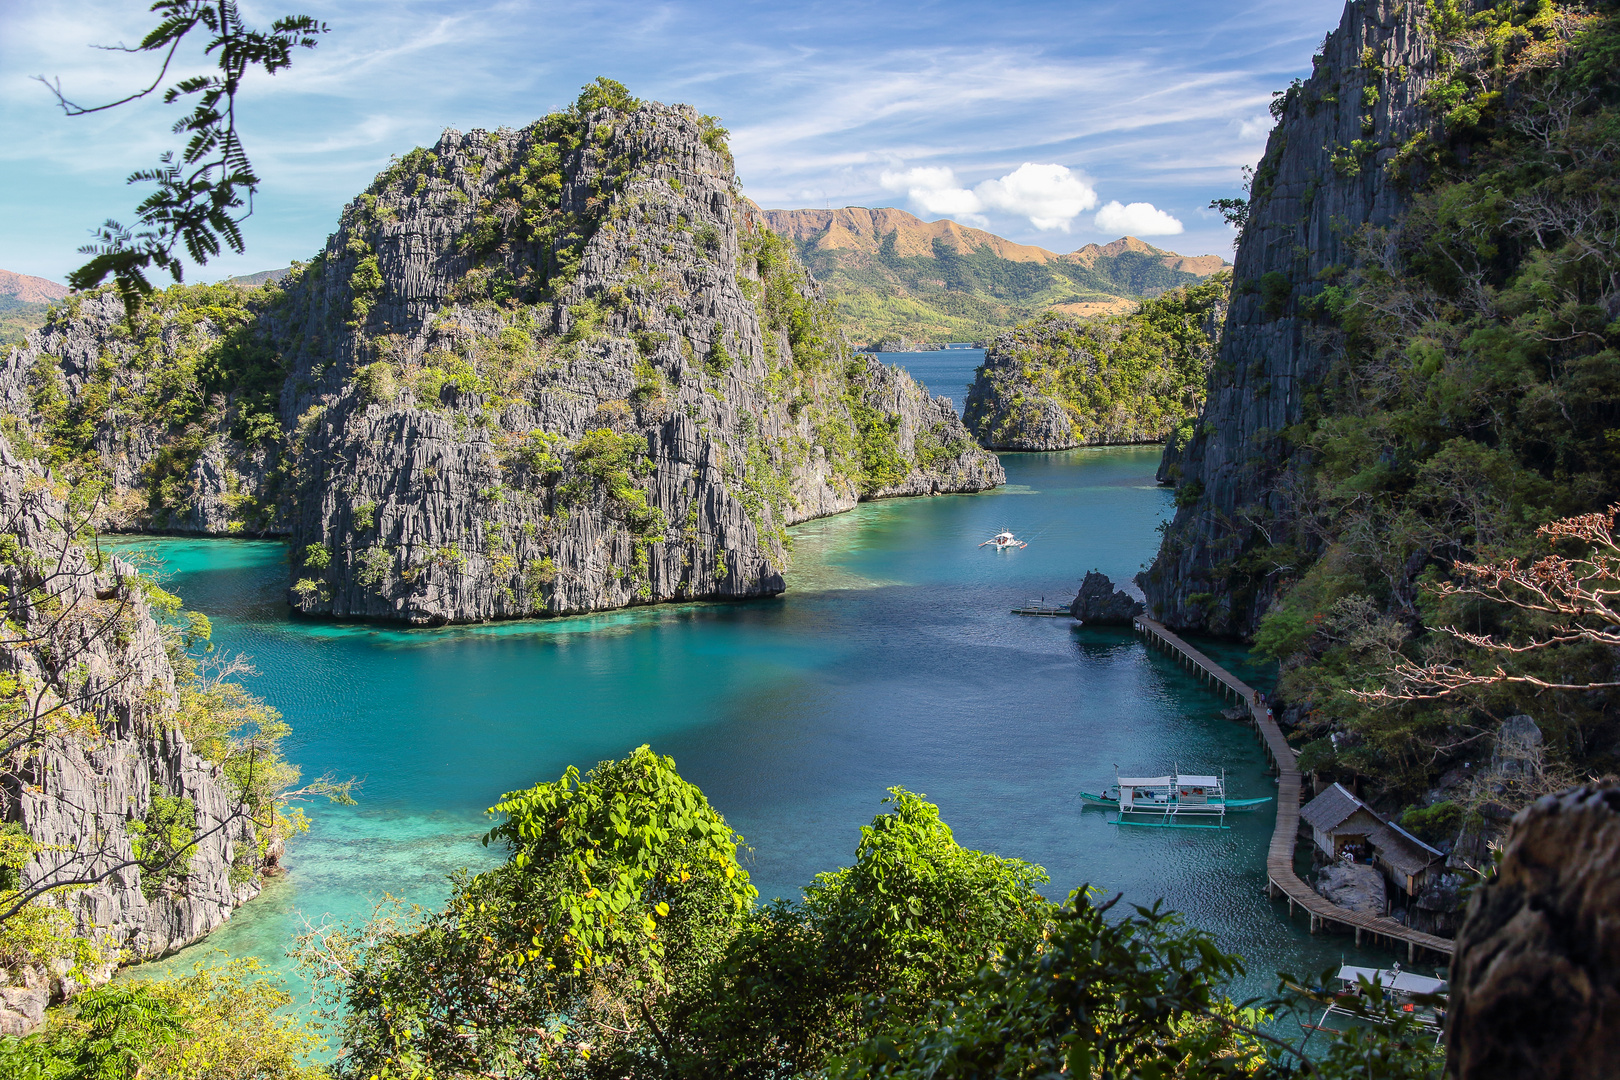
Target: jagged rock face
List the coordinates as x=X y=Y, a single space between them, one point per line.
x=176 y=458
x=1006 y=409
x=97 y=664
x=1100 y=604
x=1321 y=178
x=645 y=436
x=565 y=369
x=1535 y=984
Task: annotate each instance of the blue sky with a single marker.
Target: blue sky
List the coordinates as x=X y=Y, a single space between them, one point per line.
x=1057 y=124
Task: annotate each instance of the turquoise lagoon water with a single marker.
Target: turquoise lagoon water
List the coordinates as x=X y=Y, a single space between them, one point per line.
x=893 y=659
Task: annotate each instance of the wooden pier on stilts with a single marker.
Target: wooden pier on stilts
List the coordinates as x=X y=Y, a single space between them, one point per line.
x=1282 y=881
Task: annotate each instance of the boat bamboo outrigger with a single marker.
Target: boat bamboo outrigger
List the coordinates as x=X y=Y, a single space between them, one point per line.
x=1180 y=800
x=1004 y=540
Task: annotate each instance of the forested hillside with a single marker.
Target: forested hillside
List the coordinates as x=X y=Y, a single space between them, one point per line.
x=895 y=278
x=1056 y=383
x=24 y=302
x=1420 y=374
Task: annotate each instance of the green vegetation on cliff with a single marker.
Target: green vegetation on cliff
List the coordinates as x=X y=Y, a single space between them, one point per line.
x=193 y=363
x=1474 y=395
x=1055 y=382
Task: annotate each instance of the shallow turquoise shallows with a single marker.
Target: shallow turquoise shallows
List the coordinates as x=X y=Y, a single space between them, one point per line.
x=893 y=659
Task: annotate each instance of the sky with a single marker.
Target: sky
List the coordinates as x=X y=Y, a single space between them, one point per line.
x=1049 y=123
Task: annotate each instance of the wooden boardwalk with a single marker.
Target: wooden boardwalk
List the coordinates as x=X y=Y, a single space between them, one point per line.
x=1283 y=882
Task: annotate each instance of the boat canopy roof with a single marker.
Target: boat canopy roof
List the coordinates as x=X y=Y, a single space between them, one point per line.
x=1405 y=981
x=1167 y=781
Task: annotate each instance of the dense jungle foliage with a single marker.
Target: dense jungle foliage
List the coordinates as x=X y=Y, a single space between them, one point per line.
x=621 y=939
x=1137 y=377
x=1475 y=397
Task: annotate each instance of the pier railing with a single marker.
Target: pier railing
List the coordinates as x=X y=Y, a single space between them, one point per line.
x=1282 y=881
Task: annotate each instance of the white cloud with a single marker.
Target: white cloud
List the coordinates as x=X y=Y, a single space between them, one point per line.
x=1050 y=196
x=1255 y=127
x=1136 y=219
x=933 y=191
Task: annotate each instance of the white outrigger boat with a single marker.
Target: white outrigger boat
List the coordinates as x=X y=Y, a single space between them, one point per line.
x=1179 y=800
x=1004 y=540
x=1399 y=988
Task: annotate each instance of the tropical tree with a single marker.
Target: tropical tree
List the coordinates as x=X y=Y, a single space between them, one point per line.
x=872 y=945
x=1560 y=607
x=620 y=886
x=203 y=197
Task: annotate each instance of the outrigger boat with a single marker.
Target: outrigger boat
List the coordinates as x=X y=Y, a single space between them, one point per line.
x=1004 y=540
x=1179 y=800
x=1399 y=987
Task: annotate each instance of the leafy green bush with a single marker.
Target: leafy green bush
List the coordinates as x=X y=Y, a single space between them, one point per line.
x=1275 y=290
x=164 y=842
x=1435 y=824
x=225 y=1022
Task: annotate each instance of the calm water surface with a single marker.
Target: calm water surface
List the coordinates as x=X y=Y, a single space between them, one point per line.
x=948 y=372
x=892 y=660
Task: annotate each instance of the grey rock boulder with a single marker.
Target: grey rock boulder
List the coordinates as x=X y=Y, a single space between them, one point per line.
x=21 y=1009
x=1535 y=982
x=1100 y=604
x=1356 y=886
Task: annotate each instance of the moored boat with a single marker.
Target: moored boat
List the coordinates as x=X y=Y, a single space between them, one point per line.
x=1419 y=997
x=1109 y=800
x=1178 y=800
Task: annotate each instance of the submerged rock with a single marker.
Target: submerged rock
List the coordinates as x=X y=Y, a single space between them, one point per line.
x=1100 y=604
x=1535 y=984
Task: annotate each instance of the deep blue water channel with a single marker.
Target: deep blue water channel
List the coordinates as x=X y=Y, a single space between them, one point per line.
x=892 y=659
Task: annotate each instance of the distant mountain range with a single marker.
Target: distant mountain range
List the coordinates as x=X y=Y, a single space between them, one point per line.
x=896 y=277
x=23 y=303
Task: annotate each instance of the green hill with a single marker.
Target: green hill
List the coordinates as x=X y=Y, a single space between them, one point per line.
x=24 y=300
x=895 y=277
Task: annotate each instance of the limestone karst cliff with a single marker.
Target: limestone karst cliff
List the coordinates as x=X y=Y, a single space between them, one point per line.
x=1056 y=383
x=89 y=697
x=544 y=371
x=1322 y=177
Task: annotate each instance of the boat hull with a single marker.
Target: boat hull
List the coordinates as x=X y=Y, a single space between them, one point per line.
x=1111 y=803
